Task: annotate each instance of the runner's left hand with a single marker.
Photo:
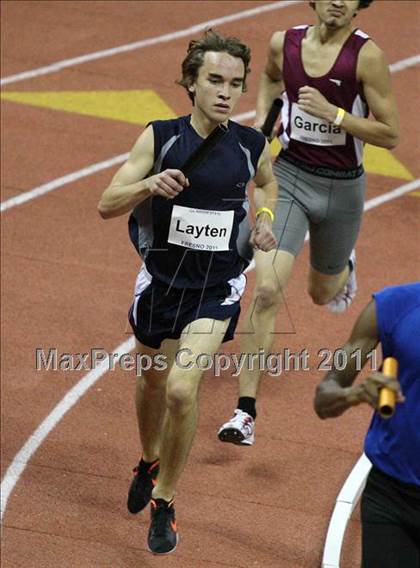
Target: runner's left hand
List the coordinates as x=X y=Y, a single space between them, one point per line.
x=312 y=101
x=262 y=237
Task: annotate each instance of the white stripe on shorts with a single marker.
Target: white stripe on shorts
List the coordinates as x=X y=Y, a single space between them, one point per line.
x=237 y=288
x=143 y=280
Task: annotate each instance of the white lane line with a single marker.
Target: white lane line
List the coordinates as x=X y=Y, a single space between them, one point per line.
x=20 y=461
x=69 y=178
x=344 y=506
x=405 y=63
x=53 y=67
x=397 y=192
x=60 y=182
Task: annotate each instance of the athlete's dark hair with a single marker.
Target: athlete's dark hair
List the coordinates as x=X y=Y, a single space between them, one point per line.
x=211 y=41
x=362 y=4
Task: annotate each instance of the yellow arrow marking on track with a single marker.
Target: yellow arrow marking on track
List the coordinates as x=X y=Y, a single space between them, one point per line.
x=136 y=107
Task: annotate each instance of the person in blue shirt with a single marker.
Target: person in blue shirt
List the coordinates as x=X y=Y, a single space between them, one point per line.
x=390 y=506
x=187 y=230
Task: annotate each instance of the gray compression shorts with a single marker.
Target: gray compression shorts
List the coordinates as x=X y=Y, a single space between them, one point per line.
x=330 y=209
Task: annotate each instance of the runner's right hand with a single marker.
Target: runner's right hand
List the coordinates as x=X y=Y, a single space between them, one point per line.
x=368 y=390
x=168 y=183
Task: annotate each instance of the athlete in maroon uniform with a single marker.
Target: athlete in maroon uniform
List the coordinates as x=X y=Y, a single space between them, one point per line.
x=330 y=75
x=311 y=139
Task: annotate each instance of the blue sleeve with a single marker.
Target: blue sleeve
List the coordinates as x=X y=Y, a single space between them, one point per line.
x=252 y=140
x=385 y=318
x=392 y=304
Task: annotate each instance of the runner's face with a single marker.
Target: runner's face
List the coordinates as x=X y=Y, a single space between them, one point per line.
x=219 y=85
x=336 y=13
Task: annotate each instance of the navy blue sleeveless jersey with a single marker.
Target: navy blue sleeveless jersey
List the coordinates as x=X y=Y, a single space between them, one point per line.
x=190 y=241
x=393 y=445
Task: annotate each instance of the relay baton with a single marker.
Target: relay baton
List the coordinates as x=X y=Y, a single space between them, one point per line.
x=387 y=397
x=205 y=147
x=272 y=116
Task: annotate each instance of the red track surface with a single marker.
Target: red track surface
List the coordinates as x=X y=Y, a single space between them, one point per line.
x=67 y=282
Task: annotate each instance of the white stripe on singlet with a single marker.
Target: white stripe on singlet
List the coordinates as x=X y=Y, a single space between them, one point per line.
x=284 y=137
x=359 y=108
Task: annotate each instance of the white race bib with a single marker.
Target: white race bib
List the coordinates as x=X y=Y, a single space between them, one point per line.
x=312 y=130
x=200 y=229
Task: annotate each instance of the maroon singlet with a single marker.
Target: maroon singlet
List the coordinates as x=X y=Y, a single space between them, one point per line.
x=307 y=138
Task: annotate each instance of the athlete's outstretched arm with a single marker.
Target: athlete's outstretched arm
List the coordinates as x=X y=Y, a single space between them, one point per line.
x=271 y=80
x=373 y=73
x=132 y=183
x=335 y=394
x=265 y=195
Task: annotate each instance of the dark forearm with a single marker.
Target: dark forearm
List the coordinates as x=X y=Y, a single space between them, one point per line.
x=335 y=394
x=332 y=399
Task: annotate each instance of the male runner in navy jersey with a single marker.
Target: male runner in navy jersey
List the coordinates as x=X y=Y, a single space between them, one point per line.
x=390 y=507
x=188 y=291
x=331 y=75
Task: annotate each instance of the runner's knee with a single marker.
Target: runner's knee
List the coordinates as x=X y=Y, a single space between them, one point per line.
x=181 y=395
x=267 y=295
x=320 y=295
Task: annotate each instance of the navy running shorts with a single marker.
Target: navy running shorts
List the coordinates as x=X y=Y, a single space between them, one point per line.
x=160 y=313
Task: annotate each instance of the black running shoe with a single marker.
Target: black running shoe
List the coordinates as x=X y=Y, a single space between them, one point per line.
x=163 y=536
x=141 y=487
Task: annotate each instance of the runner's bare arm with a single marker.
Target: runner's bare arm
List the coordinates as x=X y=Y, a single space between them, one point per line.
x=373 y=73
x=271 y=81
x=335 y=394
x=265 y=195
x=131 y=184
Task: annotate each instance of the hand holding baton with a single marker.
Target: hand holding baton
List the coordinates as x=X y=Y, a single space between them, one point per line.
x=272 y=116
x=388 y=397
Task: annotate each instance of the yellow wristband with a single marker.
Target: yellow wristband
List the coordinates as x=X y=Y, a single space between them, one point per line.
x=265 y=210
x=339 y=116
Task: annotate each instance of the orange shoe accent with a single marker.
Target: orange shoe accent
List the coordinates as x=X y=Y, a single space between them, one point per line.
x=173 y=525
x=153 y=466
x=154 y=462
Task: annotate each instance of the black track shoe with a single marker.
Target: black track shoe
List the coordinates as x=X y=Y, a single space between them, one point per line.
x=141 y=487
x=163 y=536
